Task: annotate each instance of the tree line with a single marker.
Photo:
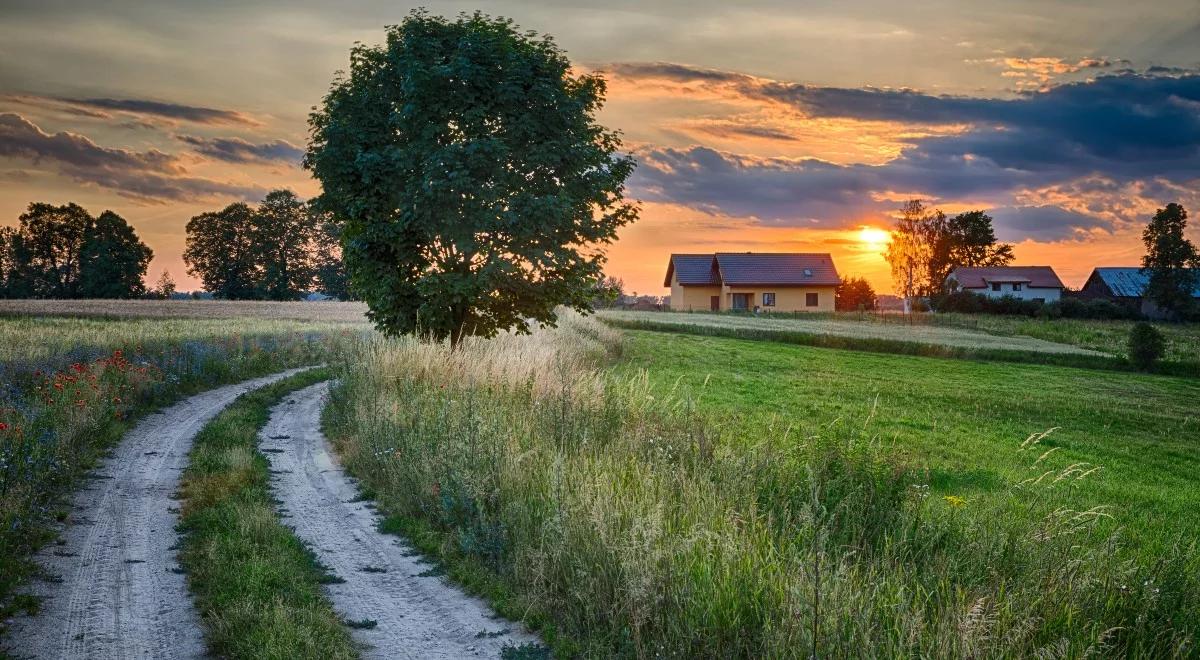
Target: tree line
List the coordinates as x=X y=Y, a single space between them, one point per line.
x=65 y=252
x=279 y=250
x=926 y=246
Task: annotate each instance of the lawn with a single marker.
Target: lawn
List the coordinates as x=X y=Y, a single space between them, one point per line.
x=964 y=420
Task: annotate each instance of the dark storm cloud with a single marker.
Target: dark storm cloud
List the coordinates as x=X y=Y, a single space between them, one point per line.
x=1119 y=129
x=237 y=150
x=1041 y=223
x=172 y=111
x=147 y=175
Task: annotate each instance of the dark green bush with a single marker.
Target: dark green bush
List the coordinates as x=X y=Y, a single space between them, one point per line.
x=1146 y=346
x=968 y=302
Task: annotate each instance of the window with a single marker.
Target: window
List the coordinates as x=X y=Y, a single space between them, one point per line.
x=995 y=286
x=741 y=301
x=768 y=300
x=1016 y=286
x=810 y=300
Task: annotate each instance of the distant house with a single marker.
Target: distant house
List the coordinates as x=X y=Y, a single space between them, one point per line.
x=1124 y=285
x=1036 y=283
x=777 y=281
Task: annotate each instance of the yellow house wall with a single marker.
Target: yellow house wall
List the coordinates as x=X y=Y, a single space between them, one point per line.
x=787 y=299
x=691 y=298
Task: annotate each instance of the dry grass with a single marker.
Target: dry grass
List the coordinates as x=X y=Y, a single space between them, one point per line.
x=332 y=312
x=606 y=512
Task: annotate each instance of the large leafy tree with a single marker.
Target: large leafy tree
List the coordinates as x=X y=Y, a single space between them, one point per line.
x=967 y=239
x=285 y=244
x=52 y=240
x=1171 y=260
x=222 y=250
x=63 y=252
x=332 y=279
x=474 y=187
x=909 y=251
x=113 y=261
x=926 y=246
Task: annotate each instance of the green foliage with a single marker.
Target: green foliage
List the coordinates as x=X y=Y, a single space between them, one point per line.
x=474 y=188
x=63 y=252
x=1146 y=346
x=221 y=251
x=1172 y=261
x=854 y=294
x=625 y=517
x=607 y=292
x=277 y=251
x=926 y=247
x=113 y=261
x=256 y=585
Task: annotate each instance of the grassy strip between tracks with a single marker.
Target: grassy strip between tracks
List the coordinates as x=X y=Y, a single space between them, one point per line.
x=257 y=586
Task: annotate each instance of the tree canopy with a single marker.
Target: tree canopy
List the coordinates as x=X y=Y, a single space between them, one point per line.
x=1171 y=260
x=64 y=252
x=279 y=250
x=926 y=246
x=473 y=186
x=854 y=294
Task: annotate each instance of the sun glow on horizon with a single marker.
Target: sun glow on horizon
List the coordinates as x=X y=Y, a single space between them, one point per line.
x=874 y=238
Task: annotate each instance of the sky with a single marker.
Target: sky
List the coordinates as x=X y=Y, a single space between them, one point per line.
x=769 y=125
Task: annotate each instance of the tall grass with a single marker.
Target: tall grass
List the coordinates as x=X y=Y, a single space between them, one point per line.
x=619 y=520
x=60 y=412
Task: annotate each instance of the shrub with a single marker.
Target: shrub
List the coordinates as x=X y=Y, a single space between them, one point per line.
x=1146 y=346
x=967 y=302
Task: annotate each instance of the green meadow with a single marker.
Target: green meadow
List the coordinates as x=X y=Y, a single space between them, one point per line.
x=963 y=420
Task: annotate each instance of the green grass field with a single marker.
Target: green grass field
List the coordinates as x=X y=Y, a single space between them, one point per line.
x=964 y=420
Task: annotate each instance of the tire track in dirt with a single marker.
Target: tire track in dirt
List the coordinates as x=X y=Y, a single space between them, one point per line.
x=417 y=616
x=122 y=593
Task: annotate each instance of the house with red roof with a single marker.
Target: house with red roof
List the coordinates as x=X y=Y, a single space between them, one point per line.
x=752 y=281
x=1036 y=283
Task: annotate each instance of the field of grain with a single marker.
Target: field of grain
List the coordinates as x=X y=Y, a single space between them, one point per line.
x=642 y=493
x=260 y=310
x=70 y=386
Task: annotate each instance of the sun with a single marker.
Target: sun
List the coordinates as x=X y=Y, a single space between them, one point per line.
x=874 y=238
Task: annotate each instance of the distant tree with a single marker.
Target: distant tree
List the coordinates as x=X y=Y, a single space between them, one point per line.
x=909 y=251
x=854 y=294
x=607 y=292
x=165 y=286
x=51 y=248
x=475 y=189
x=967 y=239
x=1171 y=261
x=285 y=243
x=8 y=262
x=332 y=279
x=222 y=250
x=113 y=261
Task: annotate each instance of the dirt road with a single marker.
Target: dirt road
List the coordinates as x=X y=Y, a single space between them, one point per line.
x=415 y=615
x=121 y=593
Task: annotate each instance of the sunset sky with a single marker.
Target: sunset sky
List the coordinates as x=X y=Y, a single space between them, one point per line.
x=768 y=126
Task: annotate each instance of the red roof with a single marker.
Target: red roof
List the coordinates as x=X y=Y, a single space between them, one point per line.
x=1040 y=277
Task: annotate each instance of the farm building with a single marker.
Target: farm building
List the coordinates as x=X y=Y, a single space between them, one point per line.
x=1124 y=285
x=1036 y=283
x=776 y=281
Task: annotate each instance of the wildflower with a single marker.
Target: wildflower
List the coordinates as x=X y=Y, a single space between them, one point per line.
x=954 y=501
x=3 y=426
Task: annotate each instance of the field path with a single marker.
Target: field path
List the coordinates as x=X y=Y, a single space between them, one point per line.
x=416 y=616
x=121 y=594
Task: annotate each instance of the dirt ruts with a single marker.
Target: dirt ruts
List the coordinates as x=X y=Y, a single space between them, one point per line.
x=415 y=614
x=115 y=589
